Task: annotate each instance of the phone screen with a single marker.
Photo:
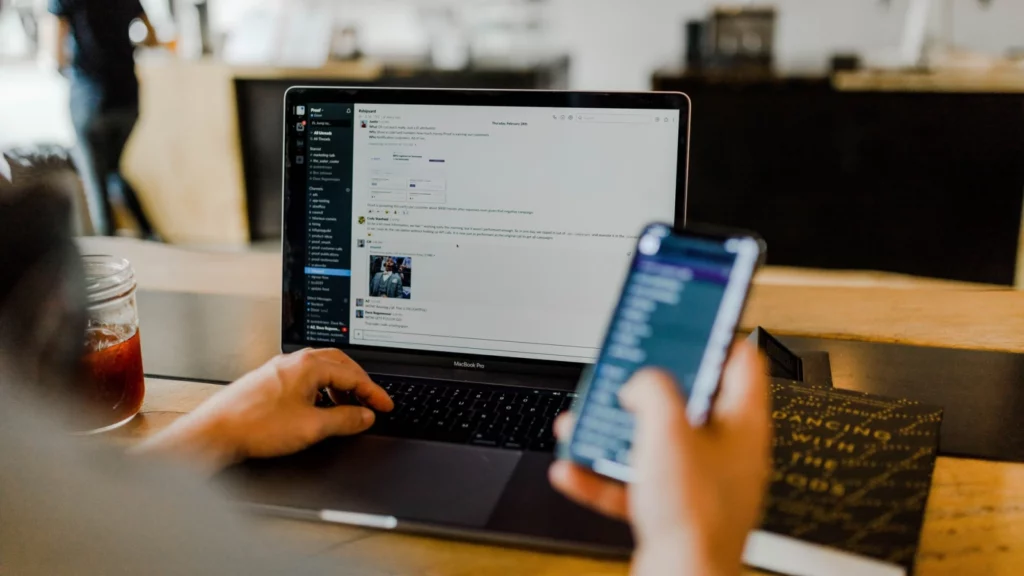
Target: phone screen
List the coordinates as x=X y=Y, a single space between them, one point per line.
x=678 y=311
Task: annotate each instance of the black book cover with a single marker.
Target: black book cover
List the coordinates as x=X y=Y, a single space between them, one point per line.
x=851 y=470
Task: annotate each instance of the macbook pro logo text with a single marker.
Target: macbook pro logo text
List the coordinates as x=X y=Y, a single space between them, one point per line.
x=470 y=365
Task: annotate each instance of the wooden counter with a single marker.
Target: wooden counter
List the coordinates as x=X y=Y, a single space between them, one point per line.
x=995 y=81
x=975 y=518
x=185 y=158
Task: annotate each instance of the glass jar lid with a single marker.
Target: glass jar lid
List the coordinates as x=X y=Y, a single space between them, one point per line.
x=107 y=277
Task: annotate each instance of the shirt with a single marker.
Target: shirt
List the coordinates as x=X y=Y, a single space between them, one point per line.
x=101 y=50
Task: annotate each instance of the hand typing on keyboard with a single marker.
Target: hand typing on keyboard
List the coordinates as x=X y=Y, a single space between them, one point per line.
x=270 y=411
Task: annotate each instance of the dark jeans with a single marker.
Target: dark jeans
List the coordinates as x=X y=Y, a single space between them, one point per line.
x=102 y=132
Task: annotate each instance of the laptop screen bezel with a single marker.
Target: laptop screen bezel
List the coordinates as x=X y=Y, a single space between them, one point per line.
x=293 y=216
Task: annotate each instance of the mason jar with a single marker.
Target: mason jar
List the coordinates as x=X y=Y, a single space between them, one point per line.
x=114 y=386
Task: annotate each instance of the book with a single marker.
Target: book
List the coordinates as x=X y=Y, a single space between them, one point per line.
x=850 y=482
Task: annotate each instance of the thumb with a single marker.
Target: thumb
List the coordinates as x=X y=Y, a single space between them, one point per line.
x=345 y=420
x=663 y=439
x=743 y=402
x=661 y=424
x=653 y=396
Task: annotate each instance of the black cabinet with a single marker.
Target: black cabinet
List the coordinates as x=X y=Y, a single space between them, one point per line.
x=929 y=184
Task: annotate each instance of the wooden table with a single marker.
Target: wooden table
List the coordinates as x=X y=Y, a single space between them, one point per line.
x=975 y=518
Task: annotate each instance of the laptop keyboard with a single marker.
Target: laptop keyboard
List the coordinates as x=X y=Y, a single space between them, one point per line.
x=480 y=415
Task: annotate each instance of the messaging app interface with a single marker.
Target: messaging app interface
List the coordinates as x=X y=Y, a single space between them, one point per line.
x=479 y=230
x=666 y=319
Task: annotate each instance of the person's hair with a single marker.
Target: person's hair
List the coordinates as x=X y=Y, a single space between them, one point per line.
x=35 y=164
x=46 y=165
x=42 y=287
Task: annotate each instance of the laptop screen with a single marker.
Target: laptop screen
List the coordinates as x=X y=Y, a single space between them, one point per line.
x=472 y=230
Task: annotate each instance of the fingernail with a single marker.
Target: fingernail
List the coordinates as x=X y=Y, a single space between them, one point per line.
x=367 y=416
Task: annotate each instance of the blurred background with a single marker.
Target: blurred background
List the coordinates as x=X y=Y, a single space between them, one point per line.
x=854 y=134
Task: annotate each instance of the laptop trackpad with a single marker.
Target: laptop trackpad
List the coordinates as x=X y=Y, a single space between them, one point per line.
x=408 y=479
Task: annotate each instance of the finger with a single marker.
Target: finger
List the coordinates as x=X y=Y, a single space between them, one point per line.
x=335 y=355
x=742 y=401
x=373 y=396
x=662 y=439
x=344 y=420
x=366 y=390
x=332 y=354
x=605 y=496
x=564 y=424
x=319 y=368
x=653 y=396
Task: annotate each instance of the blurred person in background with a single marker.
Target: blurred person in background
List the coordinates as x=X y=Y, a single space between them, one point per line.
x=95 y=51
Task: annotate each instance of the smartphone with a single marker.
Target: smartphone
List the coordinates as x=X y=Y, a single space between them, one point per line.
x=678 y=311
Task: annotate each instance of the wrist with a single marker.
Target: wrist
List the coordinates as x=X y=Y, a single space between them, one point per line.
x=684 y=554
x=201 y=442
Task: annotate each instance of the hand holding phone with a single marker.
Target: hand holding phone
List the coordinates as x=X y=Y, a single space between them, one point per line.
x=678 y=311
x=698 y=491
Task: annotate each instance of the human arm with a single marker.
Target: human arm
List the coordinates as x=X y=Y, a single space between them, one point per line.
x=62 y=32
x=698 y=491
x=59 y=31
x=73 y=505
x=270 y=412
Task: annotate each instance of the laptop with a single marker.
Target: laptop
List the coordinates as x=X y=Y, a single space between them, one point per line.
x=466 y=248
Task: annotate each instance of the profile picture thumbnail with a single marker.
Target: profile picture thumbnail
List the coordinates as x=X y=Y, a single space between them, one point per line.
x=390 y=276
x=361 y=243
x=359 y=301
x=362 y=123
x=359 y=313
